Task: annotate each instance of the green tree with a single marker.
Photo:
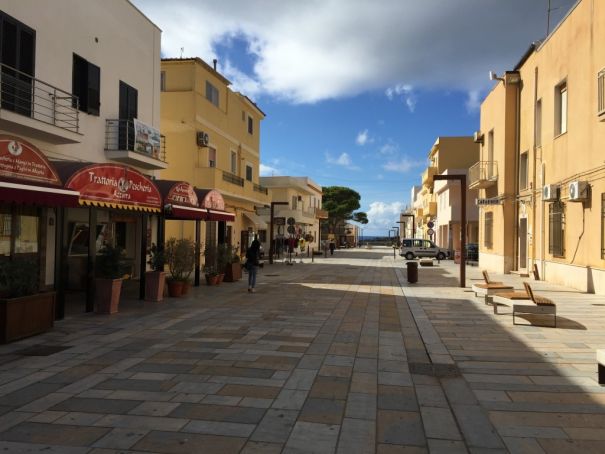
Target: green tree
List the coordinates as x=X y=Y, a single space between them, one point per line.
x=340 y=203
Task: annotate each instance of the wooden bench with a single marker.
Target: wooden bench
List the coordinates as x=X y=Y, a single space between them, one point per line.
x=540 y=306
x=489 y=287
x=505 y=298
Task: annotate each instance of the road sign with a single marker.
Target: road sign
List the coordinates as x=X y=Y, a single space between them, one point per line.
x=291 y=221
x=430 y=225
x=291 y=229
x=431 y=232
x=492 y=201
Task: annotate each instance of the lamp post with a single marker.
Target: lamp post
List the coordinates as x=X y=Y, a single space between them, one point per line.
x=462 y=180
x=271 y=229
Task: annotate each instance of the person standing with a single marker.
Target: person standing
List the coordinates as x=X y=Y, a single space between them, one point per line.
x=332 y=246
x=252 y=262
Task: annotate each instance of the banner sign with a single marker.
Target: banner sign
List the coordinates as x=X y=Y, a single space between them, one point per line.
x=182 y=194
x=146 y=139
x=492 y=201
x=22 y=160
x=213 y=200
x=112 y=183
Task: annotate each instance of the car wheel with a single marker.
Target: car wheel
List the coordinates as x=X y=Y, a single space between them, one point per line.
x=409 y=256
x=440 y=256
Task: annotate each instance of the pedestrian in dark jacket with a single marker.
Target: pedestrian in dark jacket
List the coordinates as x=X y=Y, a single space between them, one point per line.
x=332 y=247
x=252 y=262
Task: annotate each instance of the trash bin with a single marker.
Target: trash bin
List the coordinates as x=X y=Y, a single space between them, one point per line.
x=457 y=256
x=412 y=272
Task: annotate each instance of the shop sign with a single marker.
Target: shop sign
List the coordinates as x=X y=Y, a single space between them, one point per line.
x=146 y=139
x=492 y=201
x=111 y=183
x=182 y=194
x=279 y=221
x=213 y=200
x=21 y=160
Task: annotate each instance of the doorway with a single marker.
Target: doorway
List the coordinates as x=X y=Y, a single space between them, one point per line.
x=522 y=265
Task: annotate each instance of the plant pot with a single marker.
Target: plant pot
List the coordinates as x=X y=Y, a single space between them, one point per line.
x=233 y=272
x=211 y=279
x=186 y=288
x=26 y=316
x=220 y=278
x=154 y=285
x=175 y=288
x=107 y=295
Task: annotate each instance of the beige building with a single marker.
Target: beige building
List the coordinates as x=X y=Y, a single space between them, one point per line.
x=542 y=127
x=297 y=199
x=213 y=143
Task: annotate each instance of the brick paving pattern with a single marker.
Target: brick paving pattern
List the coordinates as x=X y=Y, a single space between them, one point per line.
x=336 y=356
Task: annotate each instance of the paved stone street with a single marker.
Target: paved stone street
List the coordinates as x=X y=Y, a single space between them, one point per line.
x=337 y=356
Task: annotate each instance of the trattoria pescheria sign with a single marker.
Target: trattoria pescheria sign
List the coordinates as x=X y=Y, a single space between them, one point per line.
x=21 y=160
x=182 y=194
x=112 y=184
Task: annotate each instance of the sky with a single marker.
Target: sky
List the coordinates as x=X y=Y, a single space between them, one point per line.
x=357 y=91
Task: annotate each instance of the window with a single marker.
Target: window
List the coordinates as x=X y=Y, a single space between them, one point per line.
x=488 y=229
x=249 y=173
x=601 y=94
x=86 y=85
x=234 y=162
x=523 y=171
x=294 y=202
x=162 y=80
x=556 y=229
x=603 y=225
x=212 y=93
x=127 y=110
x=538 y=124
x=211 y=157
x=19 y=227
x=561 y=109
x=250 y=125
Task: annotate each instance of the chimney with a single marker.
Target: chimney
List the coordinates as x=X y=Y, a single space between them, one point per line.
x=214 y=61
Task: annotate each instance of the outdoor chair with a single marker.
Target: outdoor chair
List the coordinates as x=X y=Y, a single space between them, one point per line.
x=540 y=306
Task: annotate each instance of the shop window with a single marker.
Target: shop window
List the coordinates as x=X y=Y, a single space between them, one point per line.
x=121 y=235
x=86 y=85
x=249 y=173
x=488 y=229
x=556 y=229
x=19 y=231
x=6 y=220
x=523 y=164
x=212 y=93
x=26 y=236
x=561 y=108
x=262 y=236
x=211 y=157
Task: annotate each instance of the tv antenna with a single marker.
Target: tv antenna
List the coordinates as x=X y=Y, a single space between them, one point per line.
x=183 y=49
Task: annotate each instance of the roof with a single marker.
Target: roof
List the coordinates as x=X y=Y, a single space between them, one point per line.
x=202 y=63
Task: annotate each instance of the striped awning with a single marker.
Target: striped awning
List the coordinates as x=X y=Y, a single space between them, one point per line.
x=118 y=206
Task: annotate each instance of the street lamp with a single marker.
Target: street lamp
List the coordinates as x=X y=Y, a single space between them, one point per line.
x=271 y=229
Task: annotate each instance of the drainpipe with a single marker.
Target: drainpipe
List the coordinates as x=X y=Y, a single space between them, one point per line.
x=516 y=167
x=533 y=179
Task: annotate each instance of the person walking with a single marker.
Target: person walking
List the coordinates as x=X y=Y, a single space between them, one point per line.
x=332 y=246
x=252 y=262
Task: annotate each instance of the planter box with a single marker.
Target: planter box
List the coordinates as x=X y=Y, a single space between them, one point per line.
x=107 y=295
x=154 y=285
x=175 y=288
x=233 y=272
x=26 y=316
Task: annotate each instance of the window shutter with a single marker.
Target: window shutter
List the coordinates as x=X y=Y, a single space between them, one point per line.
x=94 y=89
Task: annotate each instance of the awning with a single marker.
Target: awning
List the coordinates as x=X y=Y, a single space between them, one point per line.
x=255 y=219
x=111 y=186
x=213 y=202
x=216 y=215
x=37 y=195
x=185 y=213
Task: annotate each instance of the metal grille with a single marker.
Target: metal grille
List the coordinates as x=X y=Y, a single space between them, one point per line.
x=120 y=136
x=261 y=189
x=556 y=229
x=233 y=179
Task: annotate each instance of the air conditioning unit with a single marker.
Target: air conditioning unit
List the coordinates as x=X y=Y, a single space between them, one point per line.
x=202 y=139
x=478 y=137
x=578 y=191
x=550 y=192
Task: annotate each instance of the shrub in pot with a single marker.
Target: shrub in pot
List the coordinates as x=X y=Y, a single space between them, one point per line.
x=111 y=267
x=156 y=278
x=24 y=311
x=233 y=269
x=180 y=257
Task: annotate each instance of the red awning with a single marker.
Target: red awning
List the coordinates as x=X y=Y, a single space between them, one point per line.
x=37 y=195
x=216 y=215
x=184 y=213
x=212 y=200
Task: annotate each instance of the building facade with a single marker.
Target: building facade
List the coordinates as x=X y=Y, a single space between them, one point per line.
x=543 y=125
x=214 y=134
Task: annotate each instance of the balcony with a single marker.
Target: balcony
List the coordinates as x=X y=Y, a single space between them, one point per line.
x=135 y=143
x=233 y=179
x=430 y=209
x=34 y=108
x=261 y=189
x=427 y=176
x=230 y=185
x=483 y=174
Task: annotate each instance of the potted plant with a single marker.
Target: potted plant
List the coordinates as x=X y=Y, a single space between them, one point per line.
x=24 y=311
x=180 y=256
x=111 y=267
x=156 y=278
x=233 y=269
x=210 y=264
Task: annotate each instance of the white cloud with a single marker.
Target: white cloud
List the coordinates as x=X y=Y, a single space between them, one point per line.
x=343 y=160
x=405 y=92
x=383 y=215
x=388 y=148
x=401 y=165
x=473 y=101
x=363 y=137
x=305 y=52
x=268 y=171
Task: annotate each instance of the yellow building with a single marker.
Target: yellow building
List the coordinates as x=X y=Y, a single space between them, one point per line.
x=214 y=144
x=543 y=126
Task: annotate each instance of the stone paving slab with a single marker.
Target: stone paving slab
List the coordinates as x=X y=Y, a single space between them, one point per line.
x=337 y=356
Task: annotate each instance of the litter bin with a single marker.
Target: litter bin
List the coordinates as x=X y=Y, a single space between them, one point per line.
x=457 y=256
x=412 y=272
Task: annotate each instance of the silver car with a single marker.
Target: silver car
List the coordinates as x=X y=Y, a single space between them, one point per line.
x=415 y=247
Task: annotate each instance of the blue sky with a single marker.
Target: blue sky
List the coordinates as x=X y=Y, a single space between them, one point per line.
x=357 y=91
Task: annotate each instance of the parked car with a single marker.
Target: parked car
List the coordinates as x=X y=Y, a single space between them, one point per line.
x=414 y=247
x=472 y=251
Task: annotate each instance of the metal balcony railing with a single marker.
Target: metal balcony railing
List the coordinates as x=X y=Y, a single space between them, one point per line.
x=233 y=179
x=31 y=97
x=261 y=189
x=483 y=174
x=120 y=136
